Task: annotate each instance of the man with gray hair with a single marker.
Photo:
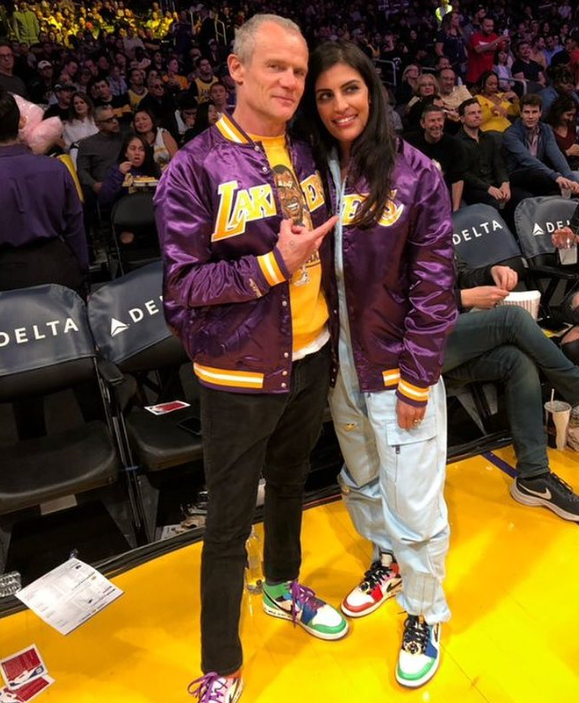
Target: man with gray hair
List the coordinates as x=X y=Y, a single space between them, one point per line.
x=242 y=220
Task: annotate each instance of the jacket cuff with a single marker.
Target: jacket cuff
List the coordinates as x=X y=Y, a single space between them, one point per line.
x=273 y=267
x=412 y=394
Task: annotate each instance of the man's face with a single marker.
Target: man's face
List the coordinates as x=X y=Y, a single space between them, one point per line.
x=107 y=122
x=433 y=126
x=157 y=89
x=472 y=117
x=6 y=59
x=218 y=94
x=188 y=116
x=47 y=72
x=271 y=83
x=550 y=43
x=525 y=51
x=64 y=97
x=447 y=81
x=565 y=85
x=530 y=115
x=137 y=78
x=204 y=69
x=487 y=26
x=443 y=63
x=102 y=90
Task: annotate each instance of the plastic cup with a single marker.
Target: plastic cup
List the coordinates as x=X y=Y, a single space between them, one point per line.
x=558 y=414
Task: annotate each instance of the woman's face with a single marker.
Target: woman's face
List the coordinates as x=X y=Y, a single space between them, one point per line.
x=212 y=114
x=569 y=117
x=143 y=123
x=426 y=87
x=80 y=107
x=412 y=73
x=503 y=56
x=173 y=65
x=135 y=153
x=343 y=102
x=492 y=85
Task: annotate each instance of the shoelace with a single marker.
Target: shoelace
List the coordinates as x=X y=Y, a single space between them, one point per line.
x=305 y=597
x=209 y=688
x=376 y=573
x=416 y=634
x=566 y=487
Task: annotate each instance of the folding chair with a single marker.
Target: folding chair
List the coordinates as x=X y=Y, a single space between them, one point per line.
x=127 y=321
x=45 y=347
x=134 y=213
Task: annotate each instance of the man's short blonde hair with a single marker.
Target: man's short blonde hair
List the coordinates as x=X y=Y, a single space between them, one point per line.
x=244 y=44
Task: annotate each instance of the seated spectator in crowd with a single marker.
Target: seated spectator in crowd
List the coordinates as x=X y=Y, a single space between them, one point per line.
x=563 y=85
x=485 y=175
x=503 y=70
x=564 y=57
x=158 y=138
x=161 y=105
x=69 y=72
x=135 y=161
x=497 y=107
x=174 y=81
x=207 y=116
x=408 y=85
x=562 y=118
x=204 y=80
x=445 y=150
x=80 y=122
x=427 y=92
x=538 y=53
x=117 y=82
x=552 y=47
x=505 y=344
x=137 y=88
x=8 y=80
x=41 y=86
x=63 y=93
x=98 y=153
x=524 y=68
x=481 y=50
x=186 y=114
x=450 y=42
x=131 y=42
x=534 y=160
x=426 y=86
x=219 y=96
x=452 y=95
x=118 y=103
x=143 y=62
x=42 y=238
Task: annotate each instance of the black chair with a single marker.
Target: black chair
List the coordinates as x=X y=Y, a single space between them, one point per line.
x=128 y=325
x=134 y=213
x=482 y=237
x=535 y=220
x=46 y=347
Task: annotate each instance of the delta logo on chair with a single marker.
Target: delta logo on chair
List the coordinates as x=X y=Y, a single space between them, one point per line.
x=479 y=230
x=38 y=332
x=549 y=227
x=136 y=315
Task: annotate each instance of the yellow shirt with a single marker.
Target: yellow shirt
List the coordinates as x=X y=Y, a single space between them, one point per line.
x=491 y=121
x=308 y=304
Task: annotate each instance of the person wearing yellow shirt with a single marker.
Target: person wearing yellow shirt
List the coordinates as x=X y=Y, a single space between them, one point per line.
x=497 y=107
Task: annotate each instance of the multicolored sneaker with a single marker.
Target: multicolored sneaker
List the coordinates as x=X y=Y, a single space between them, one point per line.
x=213 y=688
x=292 y=601
x=420 y=653
x=380 y=582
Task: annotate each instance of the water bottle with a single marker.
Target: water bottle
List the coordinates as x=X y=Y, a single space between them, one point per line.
x=253 y=570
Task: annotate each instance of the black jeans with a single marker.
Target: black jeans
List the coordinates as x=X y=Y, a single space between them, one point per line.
x=244 y=435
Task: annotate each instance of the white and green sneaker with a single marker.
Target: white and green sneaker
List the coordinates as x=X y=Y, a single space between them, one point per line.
x=420 y=652
x=292 y=601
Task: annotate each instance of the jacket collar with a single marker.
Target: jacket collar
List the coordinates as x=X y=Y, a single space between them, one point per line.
x=231 y=130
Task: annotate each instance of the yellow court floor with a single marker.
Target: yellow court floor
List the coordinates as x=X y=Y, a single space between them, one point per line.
x=513 y=586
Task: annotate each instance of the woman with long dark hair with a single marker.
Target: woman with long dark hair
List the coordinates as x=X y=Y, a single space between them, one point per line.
x=394 y=306
x=563 y=119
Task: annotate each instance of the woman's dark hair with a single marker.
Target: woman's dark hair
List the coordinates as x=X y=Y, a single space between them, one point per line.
x=201 y=120
x=149 y=167
x=87 y=100
x=480 y=86
x=9 y=117
x=563 y=103
x=374 y=164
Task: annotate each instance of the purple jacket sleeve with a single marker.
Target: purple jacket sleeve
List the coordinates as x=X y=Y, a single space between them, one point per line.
x=193 y=276
x=112 y=187
x=433 y=310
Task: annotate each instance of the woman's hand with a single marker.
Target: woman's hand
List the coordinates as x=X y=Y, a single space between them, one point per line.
x=125 y=167
x=409 y=416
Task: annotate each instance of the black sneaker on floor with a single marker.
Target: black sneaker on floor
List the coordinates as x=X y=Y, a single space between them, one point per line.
x=549 y=491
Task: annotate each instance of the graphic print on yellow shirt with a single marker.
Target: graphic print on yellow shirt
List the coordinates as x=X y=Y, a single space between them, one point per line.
x=308 y=305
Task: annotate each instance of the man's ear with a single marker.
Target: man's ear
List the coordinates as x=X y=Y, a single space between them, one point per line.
x=236 y=68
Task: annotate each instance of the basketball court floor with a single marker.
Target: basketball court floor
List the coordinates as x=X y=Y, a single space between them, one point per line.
x=513 y=586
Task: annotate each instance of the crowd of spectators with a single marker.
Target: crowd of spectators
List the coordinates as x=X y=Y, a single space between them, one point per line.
x=159 y=71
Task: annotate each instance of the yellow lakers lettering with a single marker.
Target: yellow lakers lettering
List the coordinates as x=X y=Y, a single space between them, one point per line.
x=238 y=207
x=313 y=191
x=351 y=203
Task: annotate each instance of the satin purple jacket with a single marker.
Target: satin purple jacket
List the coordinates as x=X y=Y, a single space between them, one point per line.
x=399 y=280
x=226 y=290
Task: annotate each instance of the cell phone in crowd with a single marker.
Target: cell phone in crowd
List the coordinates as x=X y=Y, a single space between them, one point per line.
x=192 y=425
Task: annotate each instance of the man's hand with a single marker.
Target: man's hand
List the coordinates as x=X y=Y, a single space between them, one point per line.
x=484 y=297
x=564 y=238
x=297 y=244
x=504 y=277
x=97 y=187
x=409 y=417
x=495 y=193
x=568 y=184
x=506 y=191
